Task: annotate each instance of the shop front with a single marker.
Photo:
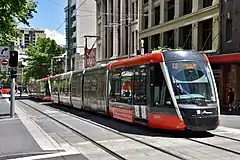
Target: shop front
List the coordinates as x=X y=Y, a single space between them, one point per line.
x=226 y=69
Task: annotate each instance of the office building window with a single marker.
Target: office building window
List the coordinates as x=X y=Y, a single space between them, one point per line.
x=228 y=30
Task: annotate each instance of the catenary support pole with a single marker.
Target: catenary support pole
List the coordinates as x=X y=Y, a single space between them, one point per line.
x=12 y=104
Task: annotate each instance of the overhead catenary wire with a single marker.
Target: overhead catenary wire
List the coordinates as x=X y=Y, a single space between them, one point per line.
x=65 y=20
x=56 y=3
x=190 y=33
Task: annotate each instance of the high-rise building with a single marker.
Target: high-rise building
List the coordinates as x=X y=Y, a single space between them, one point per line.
x=28 y=36
x=189 y=24
x=117 y=27
x=80 y=21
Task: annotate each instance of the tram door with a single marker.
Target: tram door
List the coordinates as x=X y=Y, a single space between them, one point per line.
x=160 y=100
x=140 y=93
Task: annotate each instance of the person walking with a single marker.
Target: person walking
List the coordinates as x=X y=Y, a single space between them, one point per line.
x=230 y=99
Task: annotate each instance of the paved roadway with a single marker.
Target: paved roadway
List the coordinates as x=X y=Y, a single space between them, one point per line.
x=57 y=142
x=208 y=147
x=232 y=121
x=4 y=107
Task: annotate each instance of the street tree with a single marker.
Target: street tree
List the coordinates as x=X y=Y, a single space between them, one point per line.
x=13 y=12
x=4 y=79
x=39 y=58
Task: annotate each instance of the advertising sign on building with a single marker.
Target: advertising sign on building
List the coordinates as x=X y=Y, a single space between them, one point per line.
x=90 y=59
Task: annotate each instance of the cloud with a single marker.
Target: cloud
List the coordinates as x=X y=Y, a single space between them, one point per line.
x=58 y=37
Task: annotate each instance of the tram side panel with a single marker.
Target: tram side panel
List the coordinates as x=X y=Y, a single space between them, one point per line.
x=55 y=89
x=32 y=89
x=94 y=92
x=139 y=94
x=65 y=91
x=127 y=99
x=76 y=90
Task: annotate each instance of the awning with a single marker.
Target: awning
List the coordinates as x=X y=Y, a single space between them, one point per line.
x=225 y=58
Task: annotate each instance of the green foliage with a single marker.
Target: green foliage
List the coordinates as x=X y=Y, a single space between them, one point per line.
x=39 y=62
x=13 y=12
x=5 y=80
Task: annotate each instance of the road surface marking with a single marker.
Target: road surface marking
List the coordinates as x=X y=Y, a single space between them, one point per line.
x=46 y=156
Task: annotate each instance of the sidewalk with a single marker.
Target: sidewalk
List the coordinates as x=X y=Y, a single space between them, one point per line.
x=15 y=140
x=30 y=136
x=224 y=110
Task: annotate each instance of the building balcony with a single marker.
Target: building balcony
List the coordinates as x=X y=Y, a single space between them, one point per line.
x=74 y=45
x=74 y=13
x=74 y=24
x=74 y=34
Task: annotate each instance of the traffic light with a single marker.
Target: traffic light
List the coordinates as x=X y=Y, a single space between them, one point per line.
x=13 y=61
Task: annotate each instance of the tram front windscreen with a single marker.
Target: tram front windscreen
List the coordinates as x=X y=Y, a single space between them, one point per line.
x=192 y=82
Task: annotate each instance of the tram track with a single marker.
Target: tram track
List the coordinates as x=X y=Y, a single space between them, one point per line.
x=79 y=133
x=151 y=145
x=230 y=138
x=214 y=146
x=106 y=128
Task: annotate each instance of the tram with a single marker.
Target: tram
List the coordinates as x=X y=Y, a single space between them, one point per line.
x=172 y=89
x=40 y=89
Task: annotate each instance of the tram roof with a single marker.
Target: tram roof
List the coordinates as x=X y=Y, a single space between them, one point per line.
x=55 y=76
x=42 y=79
x=183 y=55
x=138 y=60
x=157 y=57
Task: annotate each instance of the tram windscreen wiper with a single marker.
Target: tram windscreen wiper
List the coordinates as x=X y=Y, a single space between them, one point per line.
x=186 y=92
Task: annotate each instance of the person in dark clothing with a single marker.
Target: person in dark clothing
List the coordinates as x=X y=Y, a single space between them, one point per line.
x=230 y=99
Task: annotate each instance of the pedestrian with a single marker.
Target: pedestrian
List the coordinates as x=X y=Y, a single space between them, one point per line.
x=230 y=99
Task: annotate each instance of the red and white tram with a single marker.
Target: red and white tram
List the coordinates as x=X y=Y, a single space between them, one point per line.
x=172 y=90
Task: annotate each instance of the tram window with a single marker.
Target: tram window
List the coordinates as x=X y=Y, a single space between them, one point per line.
x=139 y=87
x=94 y=83
x=159 y=91
x=156 y=84
x=78 y=85
x=56 y=86
x=61 y=86
x=47 y=89
x=115 y=87
x=101 y=84
x=74 y=86
x=126 y=86
x=67 y=87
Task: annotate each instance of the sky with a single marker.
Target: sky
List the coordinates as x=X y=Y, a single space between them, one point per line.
x=50 y=16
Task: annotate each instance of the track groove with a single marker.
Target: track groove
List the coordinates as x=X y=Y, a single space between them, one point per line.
x=214 y=146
